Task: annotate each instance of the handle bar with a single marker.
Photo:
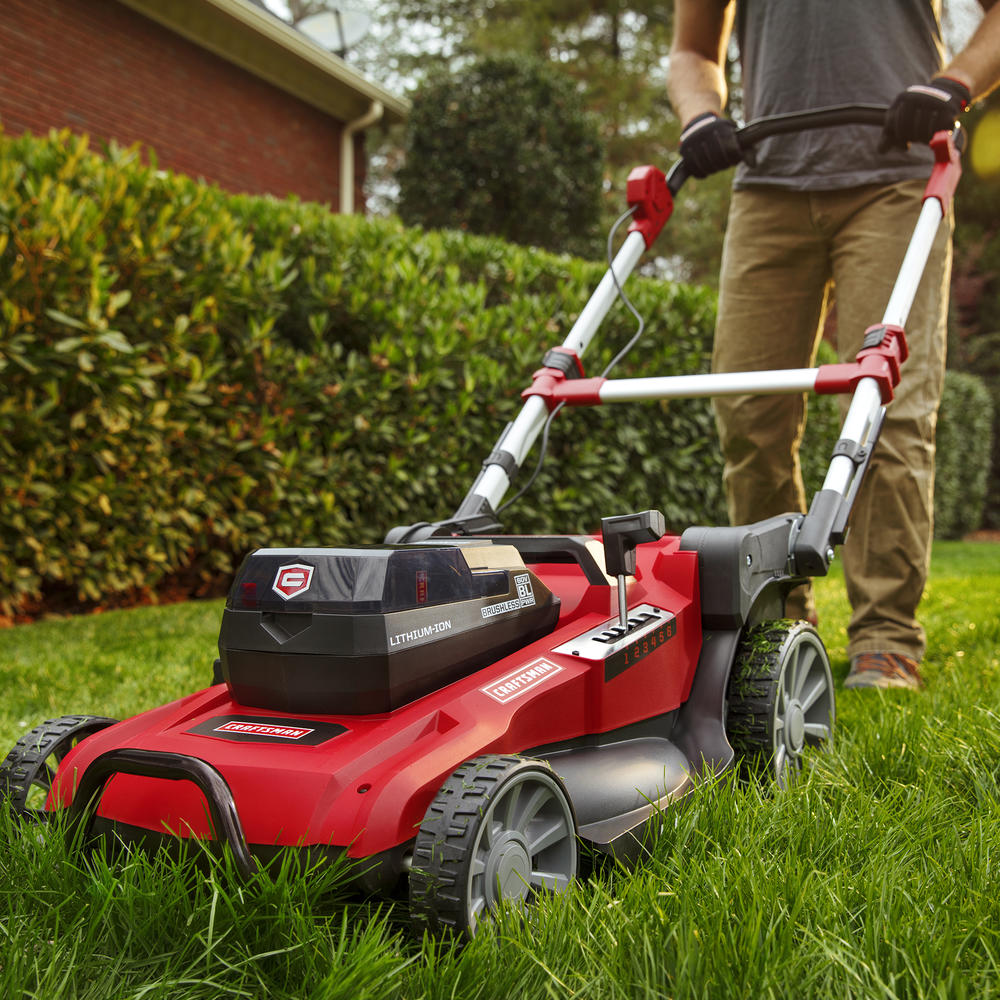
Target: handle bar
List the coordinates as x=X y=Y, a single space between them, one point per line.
x=791 y=121
x=476 y=514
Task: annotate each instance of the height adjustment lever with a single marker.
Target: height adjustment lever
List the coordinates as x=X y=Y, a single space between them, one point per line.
x=621 y=536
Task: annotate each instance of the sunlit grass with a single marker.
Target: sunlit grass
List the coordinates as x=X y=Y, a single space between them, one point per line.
x=874 y=876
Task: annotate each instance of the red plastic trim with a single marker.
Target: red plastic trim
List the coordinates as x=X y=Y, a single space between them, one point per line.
x=647 y=192
x=881 y=363
x=553 y=386
x=581 y=392
x=947 y=170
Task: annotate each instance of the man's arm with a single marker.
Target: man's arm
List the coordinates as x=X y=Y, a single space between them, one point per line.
x=925 y=108
x=697 y=79
x=977 y=66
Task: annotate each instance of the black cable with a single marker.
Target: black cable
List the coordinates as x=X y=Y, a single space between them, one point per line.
x=538 y=465
x=543 y=448
x=621 y=294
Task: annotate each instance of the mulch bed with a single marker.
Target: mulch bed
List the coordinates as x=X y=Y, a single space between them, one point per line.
x=63 y=601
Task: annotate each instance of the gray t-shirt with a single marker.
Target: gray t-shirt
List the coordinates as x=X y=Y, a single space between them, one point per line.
x=803 y=54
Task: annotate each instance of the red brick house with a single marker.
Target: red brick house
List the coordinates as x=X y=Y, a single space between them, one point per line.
x=220 y=89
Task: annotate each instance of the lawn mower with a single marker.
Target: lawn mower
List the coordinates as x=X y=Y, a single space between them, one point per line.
x=464 y=711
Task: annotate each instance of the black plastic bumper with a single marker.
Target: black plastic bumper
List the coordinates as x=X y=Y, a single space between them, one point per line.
x=171 y=767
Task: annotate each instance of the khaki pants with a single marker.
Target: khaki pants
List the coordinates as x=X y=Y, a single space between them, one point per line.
x=787 y=255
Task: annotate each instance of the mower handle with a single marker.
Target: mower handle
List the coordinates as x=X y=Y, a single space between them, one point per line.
x=562 y=374
x=791 y=121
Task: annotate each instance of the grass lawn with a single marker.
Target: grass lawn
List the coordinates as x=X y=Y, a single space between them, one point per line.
x=875 y=876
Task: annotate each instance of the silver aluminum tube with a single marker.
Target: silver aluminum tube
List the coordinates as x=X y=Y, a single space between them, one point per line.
x=605 y=294
x=867 y=399
x=626 y=390
x=494 y=482
x=860 y=417
x=912 y=268
x=523 y=432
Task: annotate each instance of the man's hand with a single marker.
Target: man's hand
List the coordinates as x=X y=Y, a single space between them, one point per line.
x=708 y=145
x=923 y=109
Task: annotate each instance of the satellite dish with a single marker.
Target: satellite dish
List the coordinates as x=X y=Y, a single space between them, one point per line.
x=336 y=30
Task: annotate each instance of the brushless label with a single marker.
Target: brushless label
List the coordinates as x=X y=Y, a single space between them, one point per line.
x=525 y=598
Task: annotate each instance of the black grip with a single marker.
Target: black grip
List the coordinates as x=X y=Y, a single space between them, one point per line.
x=792 y=121
x=800 y=121
x=812 y=548
x=623 y=533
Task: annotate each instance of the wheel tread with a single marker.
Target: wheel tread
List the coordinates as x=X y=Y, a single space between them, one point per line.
x=445 y=838
x=753 y=689
x=28 y=755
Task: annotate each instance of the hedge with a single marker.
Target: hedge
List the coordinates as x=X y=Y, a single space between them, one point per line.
x=964 y=455
x=188 y=375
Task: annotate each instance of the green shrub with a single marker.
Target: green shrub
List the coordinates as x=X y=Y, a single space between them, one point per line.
x=964 y=450
x=188 y=375
x=504 y=147
x=981 y=355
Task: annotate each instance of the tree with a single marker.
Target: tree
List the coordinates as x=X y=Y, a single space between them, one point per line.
x=504 y=146
x=975 y=342
x=299 y=10
x=615 y=51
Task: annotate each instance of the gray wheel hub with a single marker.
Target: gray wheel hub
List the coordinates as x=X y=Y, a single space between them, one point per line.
x=795 y=727
x=508 y=869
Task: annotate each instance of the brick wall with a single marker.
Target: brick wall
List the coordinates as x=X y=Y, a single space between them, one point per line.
x=96 y=66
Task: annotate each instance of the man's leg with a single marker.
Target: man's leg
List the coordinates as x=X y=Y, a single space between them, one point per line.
x=887 y=554
x=772 y=295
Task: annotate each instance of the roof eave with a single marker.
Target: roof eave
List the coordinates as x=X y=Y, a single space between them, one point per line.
x=262 y=44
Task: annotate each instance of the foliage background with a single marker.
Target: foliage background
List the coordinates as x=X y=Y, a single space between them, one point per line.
x=504 y=147
x=189 y=375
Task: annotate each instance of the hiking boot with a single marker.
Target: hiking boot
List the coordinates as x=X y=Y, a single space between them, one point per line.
x=884 y=670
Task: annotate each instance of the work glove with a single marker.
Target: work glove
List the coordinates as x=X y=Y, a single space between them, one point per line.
x=708 y=145
x=923 y=109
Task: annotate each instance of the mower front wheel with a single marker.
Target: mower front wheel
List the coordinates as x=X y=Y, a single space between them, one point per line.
x=500 y=830
x=27 y=772
x=780 y=699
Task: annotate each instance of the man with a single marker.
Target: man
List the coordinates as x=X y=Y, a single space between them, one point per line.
x=824 y=214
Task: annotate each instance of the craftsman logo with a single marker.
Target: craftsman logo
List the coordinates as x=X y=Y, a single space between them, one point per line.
x=525 y=598
x=421 y=586
x=278 y=731
x=292 y=580
x=258 y=729
x=521 y=681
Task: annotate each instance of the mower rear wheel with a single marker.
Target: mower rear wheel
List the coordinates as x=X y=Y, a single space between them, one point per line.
x=780 y=699
x=27 y=772
x=500 y=830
